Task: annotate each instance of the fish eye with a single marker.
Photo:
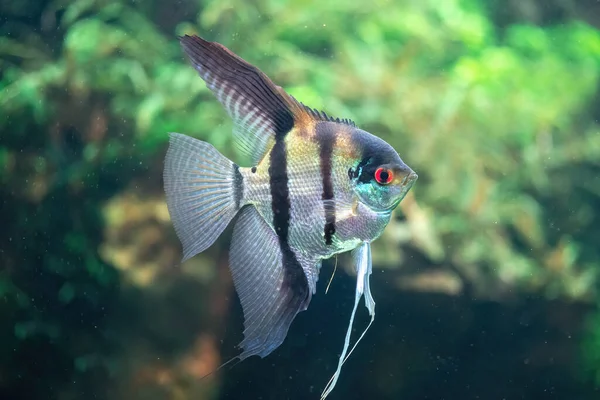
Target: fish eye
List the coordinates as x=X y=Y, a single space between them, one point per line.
x=383 y=176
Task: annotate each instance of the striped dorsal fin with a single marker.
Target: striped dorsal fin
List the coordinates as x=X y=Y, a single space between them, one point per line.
x=260 y=109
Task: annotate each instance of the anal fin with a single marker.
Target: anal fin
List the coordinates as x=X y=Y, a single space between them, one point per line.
x=266 y=278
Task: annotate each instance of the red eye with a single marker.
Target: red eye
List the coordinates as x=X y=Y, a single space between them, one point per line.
x=384 y=176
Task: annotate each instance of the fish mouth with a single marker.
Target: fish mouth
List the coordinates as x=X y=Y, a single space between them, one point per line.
x=406 y=184
x=408 y=181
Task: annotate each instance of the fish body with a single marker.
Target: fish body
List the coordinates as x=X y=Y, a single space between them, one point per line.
x=325 y=217
x=319 y=186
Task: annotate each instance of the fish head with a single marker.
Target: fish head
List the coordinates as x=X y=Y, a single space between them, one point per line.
x=379 y=177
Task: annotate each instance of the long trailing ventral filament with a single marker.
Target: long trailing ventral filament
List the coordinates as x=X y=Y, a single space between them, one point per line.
x=364 y=269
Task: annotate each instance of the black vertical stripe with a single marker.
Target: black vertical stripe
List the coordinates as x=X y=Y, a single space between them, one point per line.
x=280 y=195
x=238 y=185
x=294 y=277
x=326 y=140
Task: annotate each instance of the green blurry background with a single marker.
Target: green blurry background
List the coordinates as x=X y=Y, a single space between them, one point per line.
x=486 y=280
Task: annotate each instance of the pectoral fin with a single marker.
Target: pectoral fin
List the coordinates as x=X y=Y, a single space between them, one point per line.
x=343 y=208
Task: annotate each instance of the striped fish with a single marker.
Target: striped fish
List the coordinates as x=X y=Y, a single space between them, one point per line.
x=319 y=186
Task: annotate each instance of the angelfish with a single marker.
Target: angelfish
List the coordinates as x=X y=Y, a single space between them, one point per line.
x=318 y=186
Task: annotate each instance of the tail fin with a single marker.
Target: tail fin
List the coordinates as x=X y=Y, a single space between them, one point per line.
x=204 y=190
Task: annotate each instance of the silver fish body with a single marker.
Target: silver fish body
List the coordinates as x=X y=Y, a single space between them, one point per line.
x=320 y=186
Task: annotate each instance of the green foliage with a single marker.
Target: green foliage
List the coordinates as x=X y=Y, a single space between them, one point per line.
x=499 y=123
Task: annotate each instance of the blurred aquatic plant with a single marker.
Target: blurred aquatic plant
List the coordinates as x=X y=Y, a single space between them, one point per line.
x=499 y=122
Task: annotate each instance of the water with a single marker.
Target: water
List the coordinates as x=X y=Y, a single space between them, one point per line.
x=485 y=281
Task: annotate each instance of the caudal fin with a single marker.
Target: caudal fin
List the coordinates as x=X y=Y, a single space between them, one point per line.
x=204 y=190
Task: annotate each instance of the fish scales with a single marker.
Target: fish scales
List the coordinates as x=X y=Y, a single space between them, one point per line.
x=305 y=189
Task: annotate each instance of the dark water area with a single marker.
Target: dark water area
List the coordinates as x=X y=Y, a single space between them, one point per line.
x=424 y=346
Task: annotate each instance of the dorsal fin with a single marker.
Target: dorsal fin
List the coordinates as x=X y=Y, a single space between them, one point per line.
x=260 y=109
x=322 y=116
